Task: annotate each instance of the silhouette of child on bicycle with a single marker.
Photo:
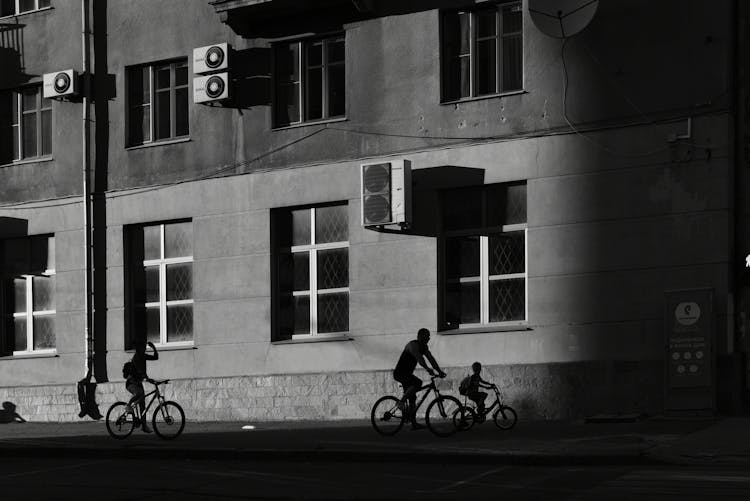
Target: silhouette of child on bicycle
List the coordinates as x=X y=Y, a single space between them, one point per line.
x=475 y=384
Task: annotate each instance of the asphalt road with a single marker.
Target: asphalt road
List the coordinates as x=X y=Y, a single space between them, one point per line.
x=128 y=479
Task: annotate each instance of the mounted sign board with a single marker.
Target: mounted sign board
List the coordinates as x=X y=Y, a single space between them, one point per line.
x=690 y=354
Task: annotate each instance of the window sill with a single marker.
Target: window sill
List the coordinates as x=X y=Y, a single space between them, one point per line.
x=306 y=124
x=487 y=329
x=481 y=98
x=315 y=339
x=31 y=354
x=153 y=144
x=34 y=160
x=21 y=14
x=190 y=345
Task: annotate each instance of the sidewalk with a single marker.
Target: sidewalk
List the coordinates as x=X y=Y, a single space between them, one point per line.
x=652 y=441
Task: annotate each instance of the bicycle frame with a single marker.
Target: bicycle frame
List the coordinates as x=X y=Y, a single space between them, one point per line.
x=156 y=396
x=429 y=386
x=497 y=403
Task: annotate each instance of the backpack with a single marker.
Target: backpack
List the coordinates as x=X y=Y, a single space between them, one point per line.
x=464 y=385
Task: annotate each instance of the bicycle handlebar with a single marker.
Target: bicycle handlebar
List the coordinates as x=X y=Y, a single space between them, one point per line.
x=157 y=383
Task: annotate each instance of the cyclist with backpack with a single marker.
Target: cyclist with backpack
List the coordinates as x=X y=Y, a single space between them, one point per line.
x=471 y=385
x=134 y=373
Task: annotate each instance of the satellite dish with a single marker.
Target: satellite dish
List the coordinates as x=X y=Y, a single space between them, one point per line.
x=562 y=18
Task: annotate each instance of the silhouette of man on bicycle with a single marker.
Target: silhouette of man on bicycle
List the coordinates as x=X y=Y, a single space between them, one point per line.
x=135 y=376
x=414 y=353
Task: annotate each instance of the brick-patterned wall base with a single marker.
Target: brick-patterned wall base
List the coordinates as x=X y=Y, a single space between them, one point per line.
x=540 y=391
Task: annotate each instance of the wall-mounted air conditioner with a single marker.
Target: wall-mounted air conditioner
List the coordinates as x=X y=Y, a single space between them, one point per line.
x=209 y=88
x=386 y=193
x=60 y=84
x=211 y=58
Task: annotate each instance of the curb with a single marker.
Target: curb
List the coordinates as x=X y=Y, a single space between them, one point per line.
x=333 y=455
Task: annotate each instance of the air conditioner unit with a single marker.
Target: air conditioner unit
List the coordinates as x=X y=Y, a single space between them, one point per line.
x=386 y=193
x=211 y=58
x=60 y=84
x=210 y=88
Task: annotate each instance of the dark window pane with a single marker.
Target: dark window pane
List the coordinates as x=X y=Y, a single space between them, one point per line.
x=287 y=63
x=181 y=74
x=140 y=124
x=181 y=112
x=179 y=323
x=333 y=312
x=462 y=304
x=336 y=91
x=456 y=42
x=6 y=127
x=507 y=300
x=314 y=104
x=26 y=5
x=462 y=257
x=151 y=294
x=29 y=99
x=301 y=227
x=178 y=239
x=516 y=204
x=163 y=77
x=43 y=3
x=336 y=51
x=300 y=271
x=512 y=66
x=7 y=7
x=331 y=224
x=14 y=105
x=314 y=54
x=333 y=268
x=29 y=135
x=507 y=253
x=287 y=104
x=19 y=295
x=19 y=328
x=152 y=324
x=138 y=86
x=486 y=23
x=16 y=152
x=44 y=332
x=179 y=281
x=486 y=69
x=47 y=132
x=152 y=242
x=301 y=307
x=17 y=254
x=512 y=20
x=43 y=291
x=162 y=115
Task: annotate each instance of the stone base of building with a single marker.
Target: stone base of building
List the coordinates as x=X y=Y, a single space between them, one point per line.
x=537 y=392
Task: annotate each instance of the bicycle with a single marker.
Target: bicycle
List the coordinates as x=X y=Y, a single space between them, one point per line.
x=389 y=413
x=505 y=416
x=168 y=419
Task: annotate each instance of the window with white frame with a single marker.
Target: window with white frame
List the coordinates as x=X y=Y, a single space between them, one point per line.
x=161 y=283
x=309 y=80
x=482 y=51
x=25 y=124
x=28 y=295
x=311 y=276
x=158 y=102
x=484 y=256
x=15 y=7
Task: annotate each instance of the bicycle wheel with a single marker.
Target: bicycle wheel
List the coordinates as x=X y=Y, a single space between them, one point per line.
x=505 y=417
x=464 y=420
x=386 y=416
x=442 y=415
x=168 y=420
x=120 y=420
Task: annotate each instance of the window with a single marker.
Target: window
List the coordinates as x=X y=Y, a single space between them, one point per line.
x=482 y=51
x=484 y=256
x=25 y=124
x=157 y=102
x=28 y=295
x=309 y=80
x=311 y=275
x=160 y=288
x=14 y=7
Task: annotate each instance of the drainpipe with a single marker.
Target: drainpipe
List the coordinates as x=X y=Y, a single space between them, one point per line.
x=88 y=332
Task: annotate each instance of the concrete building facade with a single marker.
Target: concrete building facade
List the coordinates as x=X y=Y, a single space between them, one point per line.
x=559 y=188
